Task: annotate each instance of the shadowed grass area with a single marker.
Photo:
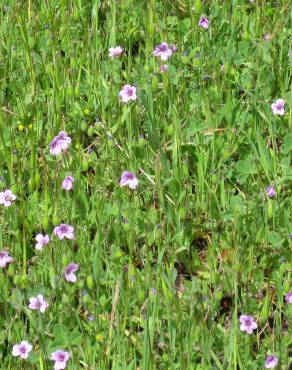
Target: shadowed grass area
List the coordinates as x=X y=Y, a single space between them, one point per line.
x=165 y=269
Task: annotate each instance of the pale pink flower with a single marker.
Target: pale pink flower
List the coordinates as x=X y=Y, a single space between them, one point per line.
x=60 y=143
x=247 y=323
x=163 y=50
x=128 y=93
x=204 y=22
x=163 y=68
x=278 y=107
x=60 y=357
x=64 y=231
x=42 y=240
x=271 y=362
x=38 y=303
x=4 y=259
x=67 y=183
x=21 y=350
x=7 y=197
x=129 y=179
x=69 y=272
x=266 y=37
x=115 y=52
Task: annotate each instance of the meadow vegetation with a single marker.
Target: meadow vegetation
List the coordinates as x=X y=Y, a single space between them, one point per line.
x=145 y=189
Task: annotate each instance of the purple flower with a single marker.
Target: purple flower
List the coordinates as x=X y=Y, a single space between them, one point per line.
x=64 y=231
x=60 y=143
x=42 y=240
x=290 y=236
x=247 y=323
x=271 y=362
x=271 y=192
x=7 y=197
x=4 y=259
x=60 y=357
x=204 y=22
x=22 y=349
x=38 y=303
x=128 y=93
x=69 y=272
x=278 y=107
x=288 y=297
x=163 y=50
x=129 y=179
x=67 y=183
x=163 y=68
x=115 y=52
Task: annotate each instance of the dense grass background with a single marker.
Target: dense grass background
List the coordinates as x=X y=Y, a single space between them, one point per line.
x=164 y=271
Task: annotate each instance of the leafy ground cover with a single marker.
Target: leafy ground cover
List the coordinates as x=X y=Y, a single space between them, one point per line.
x=145 y=190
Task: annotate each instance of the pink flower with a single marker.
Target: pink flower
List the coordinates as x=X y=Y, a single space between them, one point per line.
x=115 y=52
x=129 y=179
x=271 y=192
x=128 y=93
x=288 y=297
x=69 y=272
x=7 y=197
x=22 y=349
x=67 y=183
x=267 y=37
x=64 y=231
x=278 y=107
x=204 y=22
x=247 y=323
x=4 y=259
x=60 y=357
x=38 y=303
x=163 y=68
x=271 y=362
x=60 y=143
x=42 y=240
x=163 y=50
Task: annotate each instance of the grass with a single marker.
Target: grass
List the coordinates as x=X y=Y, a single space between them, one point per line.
x=164 y=271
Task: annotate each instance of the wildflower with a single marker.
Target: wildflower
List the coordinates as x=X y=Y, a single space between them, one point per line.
x=7 y=197
x=163 y=50
x=60 y=143
x=288 y=297
x=290 y=236
x=22 y=349
x=278 y=107
x=247 y=323
x=271 y=192
x=115 y=52
x=99 y=337
x=60 y=357
x=4 y=259
x=163 y=68
x=67 y=183
x=42 y=240
x=128 y=93
x=69 y=272
x=21 y=127
x=129 y=179
x=267 y=37
x=38 y=303
x=64 y=231
x=271 y=362
x=204 y=22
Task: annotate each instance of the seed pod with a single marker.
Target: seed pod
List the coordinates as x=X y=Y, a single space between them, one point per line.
x=89 y=282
